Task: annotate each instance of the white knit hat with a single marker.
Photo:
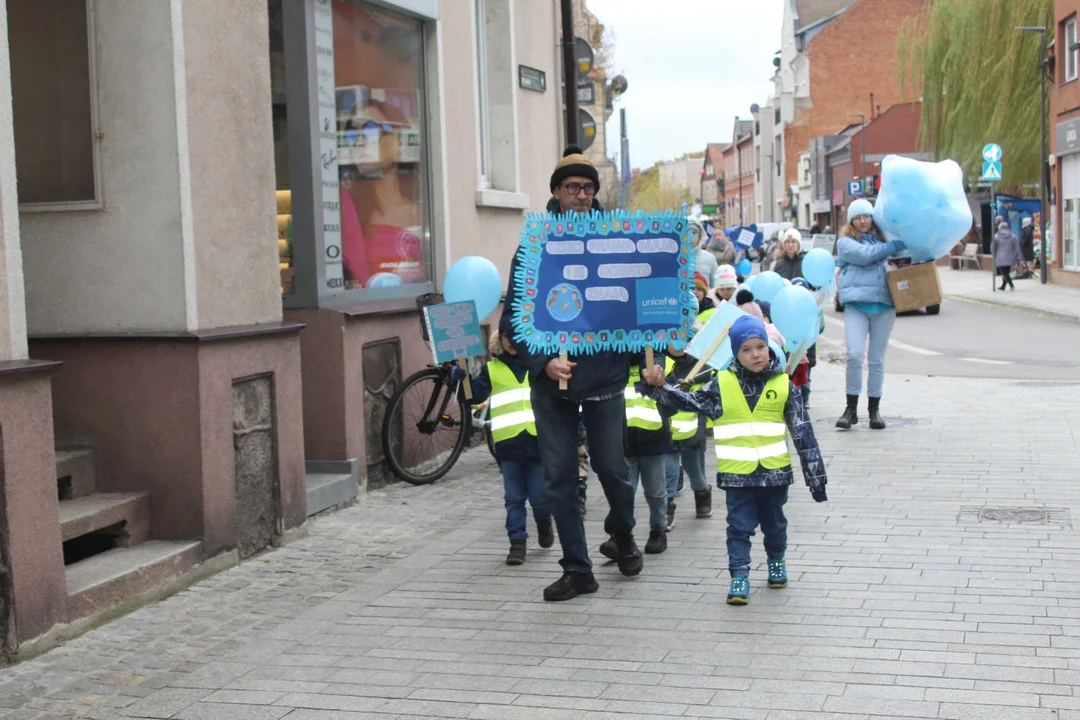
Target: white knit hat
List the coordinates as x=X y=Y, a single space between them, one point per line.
x=726 y=277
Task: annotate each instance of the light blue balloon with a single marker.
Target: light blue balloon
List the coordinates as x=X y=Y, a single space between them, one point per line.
x=744 y=268
x=818 y=267
x=766 y=285
x=924 y=205
x=748 y=284
x=778 y=351
x=477 y=279
x=795 y=313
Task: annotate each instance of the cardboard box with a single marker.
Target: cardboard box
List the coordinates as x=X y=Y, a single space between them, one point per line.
x=915 y=286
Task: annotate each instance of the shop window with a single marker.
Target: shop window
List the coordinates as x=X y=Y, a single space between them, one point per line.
x=53 y=103
x=380 y=149
x=1072 y=54
x=496 y=89
x=283 y=200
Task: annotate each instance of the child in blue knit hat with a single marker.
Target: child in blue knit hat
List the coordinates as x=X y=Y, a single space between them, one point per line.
x=751 y=403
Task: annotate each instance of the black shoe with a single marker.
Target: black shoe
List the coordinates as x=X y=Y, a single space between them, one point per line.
x=703 y=503
x=569 y=586
x=545 y=533
x=629 y=559
x=876 y=421
x=670 y=517
x=682 y=482
x=657 y=542
x=851 y=413
x=516 y=556
x=609 y=549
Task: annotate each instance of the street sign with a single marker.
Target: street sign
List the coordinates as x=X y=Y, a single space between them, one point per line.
x=586 y=94
x=532 y=79
x=991 y=172
x=584 y=55
x=992 y=153
x=854 y=187
x=586 y=129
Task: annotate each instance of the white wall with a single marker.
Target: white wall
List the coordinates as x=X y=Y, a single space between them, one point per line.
x=12 y=301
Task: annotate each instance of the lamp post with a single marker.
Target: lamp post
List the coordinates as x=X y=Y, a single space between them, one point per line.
x=1041 y=65
x=570 y=72
x=862 y=133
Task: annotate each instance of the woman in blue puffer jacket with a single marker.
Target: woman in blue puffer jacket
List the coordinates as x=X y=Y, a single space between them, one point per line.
x=869 y=314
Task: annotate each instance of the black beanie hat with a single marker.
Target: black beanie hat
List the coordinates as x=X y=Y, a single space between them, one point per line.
x=744 y=296
x=574 y=164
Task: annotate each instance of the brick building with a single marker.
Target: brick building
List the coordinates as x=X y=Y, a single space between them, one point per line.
x=838 y=59
x=1065 y=145
x=858 y=150
x=739 y=175
x=712 y=179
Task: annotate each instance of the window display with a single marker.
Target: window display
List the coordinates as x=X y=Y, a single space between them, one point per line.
x=378 y=78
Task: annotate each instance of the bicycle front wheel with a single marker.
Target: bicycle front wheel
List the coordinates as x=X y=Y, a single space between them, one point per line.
x=425 y=428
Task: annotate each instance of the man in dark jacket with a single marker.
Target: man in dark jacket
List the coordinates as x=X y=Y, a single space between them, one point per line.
x=595 y=384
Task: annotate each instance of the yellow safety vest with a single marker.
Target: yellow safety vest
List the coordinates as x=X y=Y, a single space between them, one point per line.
x=746 y=439
x=704 y=316
x=684 y=424
x=509 y=407
x=641 y=412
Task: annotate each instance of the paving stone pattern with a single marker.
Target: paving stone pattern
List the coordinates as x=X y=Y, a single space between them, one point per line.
x=902 y=603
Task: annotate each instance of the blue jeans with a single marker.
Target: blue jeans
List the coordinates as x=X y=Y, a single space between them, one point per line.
x=746 y=509
x=692 y=460
x=556 y=430
x=521 y=482
x=858 y=327
x=651 y=471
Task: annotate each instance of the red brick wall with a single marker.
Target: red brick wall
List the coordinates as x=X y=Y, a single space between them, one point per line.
x=854 y=56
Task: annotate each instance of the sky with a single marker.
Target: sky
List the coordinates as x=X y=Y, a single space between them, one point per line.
x=692 y=66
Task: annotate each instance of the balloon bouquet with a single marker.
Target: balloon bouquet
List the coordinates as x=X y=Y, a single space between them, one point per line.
x=473 y=278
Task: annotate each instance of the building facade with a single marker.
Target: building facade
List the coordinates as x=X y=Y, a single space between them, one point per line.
x=211 y=263
x=838 y=65
x=712 y=180
x=1065 y=146
x=739 y=175
x=596 y=100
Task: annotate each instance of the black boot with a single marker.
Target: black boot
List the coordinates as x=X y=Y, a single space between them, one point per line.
x=569 y=586
x=851 y=413
x=657 y=542
x=703 y=503
x=517 y=553
x=876 y=421
x=629 y=560
x=546 y=535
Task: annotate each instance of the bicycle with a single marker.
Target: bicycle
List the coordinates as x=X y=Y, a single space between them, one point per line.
x=424 y=430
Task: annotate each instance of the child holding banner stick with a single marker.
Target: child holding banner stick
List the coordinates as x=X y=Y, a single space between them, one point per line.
x=505 y=381
x=751 y=403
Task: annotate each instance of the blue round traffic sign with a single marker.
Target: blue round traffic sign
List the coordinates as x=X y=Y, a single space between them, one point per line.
x=992 y=153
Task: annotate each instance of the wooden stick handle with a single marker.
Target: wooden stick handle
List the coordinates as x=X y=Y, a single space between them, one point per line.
x=713 y=347
x=650 y=359
x=564 y=356
x=464 y=365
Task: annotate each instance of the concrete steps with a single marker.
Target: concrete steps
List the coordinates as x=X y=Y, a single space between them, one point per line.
x=108 y=552
x=98 y=511
x=103 y=581
x=332 y=484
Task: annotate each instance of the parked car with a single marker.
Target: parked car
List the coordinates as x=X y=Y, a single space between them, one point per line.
x=899 y=262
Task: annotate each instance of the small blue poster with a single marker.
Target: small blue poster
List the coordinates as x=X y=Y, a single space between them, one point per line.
x=454 y=330
x=617 y=280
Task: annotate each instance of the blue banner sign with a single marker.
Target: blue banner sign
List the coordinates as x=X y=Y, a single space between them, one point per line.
x=604 y=281
x=454 y=330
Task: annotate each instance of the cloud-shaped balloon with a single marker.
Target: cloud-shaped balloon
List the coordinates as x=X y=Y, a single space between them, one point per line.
x=924 y=205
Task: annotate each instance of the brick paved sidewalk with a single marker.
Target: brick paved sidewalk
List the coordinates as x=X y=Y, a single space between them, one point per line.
x=905 y=600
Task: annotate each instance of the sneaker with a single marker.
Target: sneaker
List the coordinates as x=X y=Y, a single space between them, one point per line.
x=682 y=482
x=569 y=586
x=609 y=549
x=670 y=517
x=545 y=533
x=777 y=573
x=516 y=556
x=703 y=503
x=739 y=592
x=657 y=542
x=629 y=559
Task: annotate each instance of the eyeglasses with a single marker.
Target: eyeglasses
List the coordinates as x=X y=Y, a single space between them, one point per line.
x=576 y=188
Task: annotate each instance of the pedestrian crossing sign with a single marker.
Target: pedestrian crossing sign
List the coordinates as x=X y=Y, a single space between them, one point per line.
x=991 y=172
